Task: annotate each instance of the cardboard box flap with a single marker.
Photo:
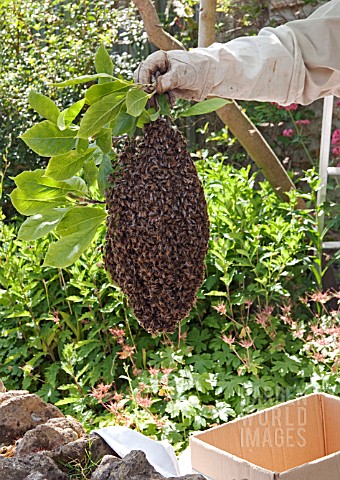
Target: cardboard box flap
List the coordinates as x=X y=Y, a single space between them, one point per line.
x=326 y=469
x=211 y=462
x=278 y=438
x=331 y=417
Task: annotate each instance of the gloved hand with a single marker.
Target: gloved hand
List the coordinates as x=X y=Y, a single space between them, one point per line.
x=177 y=71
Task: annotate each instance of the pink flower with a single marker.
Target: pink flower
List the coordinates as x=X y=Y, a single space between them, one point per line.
x=246 y=343
x=229 y=340
x=221 y=309
x=336 y=151
x=337 y=103
x=167 y=371
x=144 y=402
x=302 y=122
x=287 y=132
x=101 y=391
x=292 y=106
x=153 y=371
x=336 y=137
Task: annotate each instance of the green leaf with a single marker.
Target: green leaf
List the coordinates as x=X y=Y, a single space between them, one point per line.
x=82 y=144
x=79 y=228
x=80 y=219
x=103 y=62
x=41 y=224
x=136 y=101
x=67 y=116
x=44 y=106
x=99 y=114
x=66 y=166
x=97 y=92
x=29 y=205
x=47 y=140
x=37 y=193
x=104 y=140
x=77 y=185
x=105 y=168
x=81 y=79
x=90 y=172
x=217 y=294
x=207 y=106
x=123 y=123
x=147 y=116
x=164 y=105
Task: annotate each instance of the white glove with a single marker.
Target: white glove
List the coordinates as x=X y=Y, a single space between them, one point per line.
x=183 y=73
x=297 y=62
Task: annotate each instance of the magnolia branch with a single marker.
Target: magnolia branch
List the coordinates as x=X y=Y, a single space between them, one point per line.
x=156 y=35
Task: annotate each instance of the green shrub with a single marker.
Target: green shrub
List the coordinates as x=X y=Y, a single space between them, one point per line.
x=254 y=338
x=44 y=42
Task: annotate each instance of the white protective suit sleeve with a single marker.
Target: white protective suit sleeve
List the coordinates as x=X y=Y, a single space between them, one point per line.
x=297 y=62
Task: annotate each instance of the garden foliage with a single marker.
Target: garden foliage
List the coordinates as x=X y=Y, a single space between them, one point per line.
x=254 y=338
x=260 y=333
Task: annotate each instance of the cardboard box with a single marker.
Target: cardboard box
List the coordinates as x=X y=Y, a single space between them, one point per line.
x=297 y=440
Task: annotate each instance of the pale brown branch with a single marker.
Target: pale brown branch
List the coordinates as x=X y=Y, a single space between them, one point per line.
x=207 y=19
x=156 y=35
x=258 y=150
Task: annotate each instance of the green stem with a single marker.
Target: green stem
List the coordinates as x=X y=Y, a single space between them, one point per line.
x=302 y=143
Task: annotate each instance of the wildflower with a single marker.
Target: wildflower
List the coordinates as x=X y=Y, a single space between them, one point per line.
x=167 y=371
x=117 y=397
x=55 y=317
x=113 y=407
x=246 y=343
x=221 y=309
x=287 y=132
x=229 y=340
x=153 y=371
x=127 y=352
x=160 y=423
x=101 y=391
x=302 y=122
x=336 y=137
x=263 y=317
x=320 y=297
x=292 y=106
x=336 y=151
x=117 y=332
x=298 y=333
x=319 y=356
x=142 y=386
x=144 y=402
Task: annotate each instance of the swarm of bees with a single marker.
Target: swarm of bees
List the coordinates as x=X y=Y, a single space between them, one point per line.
x=158 y=227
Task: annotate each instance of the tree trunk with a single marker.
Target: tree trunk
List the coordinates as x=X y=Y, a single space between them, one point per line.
x=236 y=120
x=207 y=20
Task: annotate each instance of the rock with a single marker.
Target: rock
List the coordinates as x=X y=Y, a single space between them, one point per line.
x=2 y=387
x=107 y=468
x=133 y=467
x=20 y=412
x=99 y=448
x=94 y=446
x=35 y=476
x=21 y=468
x=50 y=435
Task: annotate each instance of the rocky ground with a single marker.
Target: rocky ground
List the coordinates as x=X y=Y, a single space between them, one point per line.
x=37 y=442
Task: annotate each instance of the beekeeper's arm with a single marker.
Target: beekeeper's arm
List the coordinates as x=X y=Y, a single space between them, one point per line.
x=297 y=62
